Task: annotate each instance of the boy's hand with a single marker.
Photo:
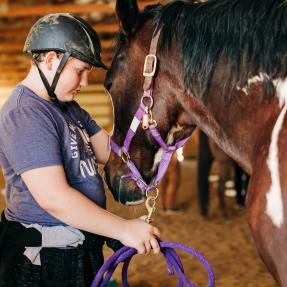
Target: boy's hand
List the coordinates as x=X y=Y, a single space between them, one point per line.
x=140 y=235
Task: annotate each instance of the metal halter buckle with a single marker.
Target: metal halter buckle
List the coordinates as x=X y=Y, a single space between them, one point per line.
x=150 y=206
x=125 y=156
x=150 y=61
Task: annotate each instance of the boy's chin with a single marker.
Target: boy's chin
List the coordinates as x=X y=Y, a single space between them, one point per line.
x=67 y=98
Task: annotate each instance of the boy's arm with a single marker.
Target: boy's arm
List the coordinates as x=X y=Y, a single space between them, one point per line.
x=50 y=189
x=101 y=146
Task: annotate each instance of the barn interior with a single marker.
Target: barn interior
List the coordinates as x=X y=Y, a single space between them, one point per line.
x=225 y=242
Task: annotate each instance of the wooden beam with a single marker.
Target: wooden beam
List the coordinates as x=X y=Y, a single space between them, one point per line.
x=19 y=58
x=96 y=76
x=14 y=58
x=39 y=10
x=23 y=32
x=10 y=47
x=107 y=28
x=13 y=82
x=8 y=69
x=13 y=64
x=12 y=75
x=3 y=5
x=18 y=47
x=8 y=83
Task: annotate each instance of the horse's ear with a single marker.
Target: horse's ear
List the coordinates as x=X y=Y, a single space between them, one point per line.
x=128 y=15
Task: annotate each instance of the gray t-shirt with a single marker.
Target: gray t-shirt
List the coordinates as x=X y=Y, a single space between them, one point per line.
x=35 y=133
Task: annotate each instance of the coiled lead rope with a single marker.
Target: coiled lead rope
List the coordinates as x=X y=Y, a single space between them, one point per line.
x=173 y=262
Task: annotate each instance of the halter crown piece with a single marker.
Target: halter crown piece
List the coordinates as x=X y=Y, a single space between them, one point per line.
x=144 y=115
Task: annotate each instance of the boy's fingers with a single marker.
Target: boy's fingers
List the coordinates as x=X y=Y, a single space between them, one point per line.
x=155 y=245
x=141 y=249
x=147 y=248
x=156 y=232
x=143 y=217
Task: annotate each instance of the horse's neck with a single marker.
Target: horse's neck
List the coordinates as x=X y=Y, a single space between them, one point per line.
x=240 y=126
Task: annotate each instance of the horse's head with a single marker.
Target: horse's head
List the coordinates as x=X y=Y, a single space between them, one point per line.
x=125 y=82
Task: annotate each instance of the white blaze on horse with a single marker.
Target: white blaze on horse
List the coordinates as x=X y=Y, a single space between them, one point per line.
x=221 y=66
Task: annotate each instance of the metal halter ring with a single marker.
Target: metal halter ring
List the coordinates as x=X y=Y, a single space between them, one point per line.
x=151 y=101
x=125 y=156
x=148 y=193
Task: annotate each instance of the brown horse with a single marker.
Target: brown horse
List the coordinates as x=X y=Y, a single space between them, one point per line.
x=222 y=66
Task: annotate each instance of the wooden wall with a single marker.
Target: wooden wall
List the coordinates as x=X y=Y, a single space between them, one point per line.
x=93 y=98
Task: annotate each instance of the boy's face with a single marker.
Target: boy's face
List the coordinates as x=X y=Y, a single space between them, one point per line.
x=73 y=77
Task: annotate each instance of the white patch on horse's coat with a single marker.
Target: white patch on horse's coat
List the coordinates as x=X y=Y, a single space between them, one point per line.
x=279 y=84
x=274 y=205
x=245 y=90
x=157 y=158
x=170 y=139
x=254 y=80
x=170 y=136
x=242 y=89
x=134 y=125
x=281 y=90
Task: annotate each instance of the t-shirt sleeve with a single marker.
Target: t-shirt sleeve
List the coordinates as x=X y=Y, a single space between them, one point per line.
x=90 y=124
x=30 y=139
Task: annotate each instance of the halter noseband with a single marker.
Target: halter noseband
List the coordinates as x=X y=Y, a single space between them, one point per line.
x=144 y=115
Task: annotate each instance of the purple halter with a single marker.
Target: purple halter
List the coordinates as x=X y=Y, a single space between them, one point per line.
x=123 y=151
x=144 y=115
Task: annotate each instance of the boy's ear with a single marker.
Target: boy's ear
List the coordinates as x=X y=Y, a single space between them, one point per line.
x=50 y=59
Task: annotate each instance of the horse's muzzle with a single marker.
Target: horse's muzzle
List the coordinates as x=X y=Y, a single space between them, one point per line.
x=123 y=190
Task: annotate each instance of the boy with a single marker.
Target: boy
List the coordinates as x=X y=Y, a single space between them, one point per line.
x=55 y=221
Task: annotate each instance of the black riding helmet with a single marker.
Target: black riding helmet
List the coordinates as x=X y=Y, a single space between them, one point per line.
x=64 y=33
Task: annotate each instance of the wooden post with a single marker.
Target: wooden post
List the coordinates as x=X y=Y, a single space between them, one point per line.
x=4 y=5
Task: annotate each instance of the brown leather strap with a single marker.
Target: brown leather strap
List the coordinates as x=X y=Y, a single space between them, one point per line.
x=149 y=66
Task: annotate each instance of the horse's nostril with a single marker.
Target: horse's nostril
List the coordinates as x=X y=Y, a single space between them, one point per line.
x=129 y=193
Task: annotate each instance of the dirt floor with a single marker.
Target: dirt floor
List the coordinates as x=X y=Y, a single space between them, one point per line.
x=226 y=244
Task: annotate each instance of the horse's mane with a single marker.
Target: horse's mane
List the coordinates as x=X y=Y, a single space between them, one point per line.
x=249 y=36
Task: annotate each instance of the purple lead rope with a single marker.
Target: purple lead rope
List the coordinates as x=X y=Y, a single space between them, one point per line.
x=173 y=262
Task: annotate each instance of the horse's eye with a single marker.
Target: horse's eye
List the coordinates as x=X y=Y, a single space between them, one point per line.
x=120 y=57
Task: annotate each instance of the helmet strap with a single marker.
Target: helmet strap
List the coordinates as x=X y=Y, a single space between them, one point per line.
x=51 y=89
x=59 y=70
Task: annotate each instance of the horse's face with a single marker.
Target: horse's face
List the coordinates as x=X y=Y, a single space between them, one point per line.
x=124 y=81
